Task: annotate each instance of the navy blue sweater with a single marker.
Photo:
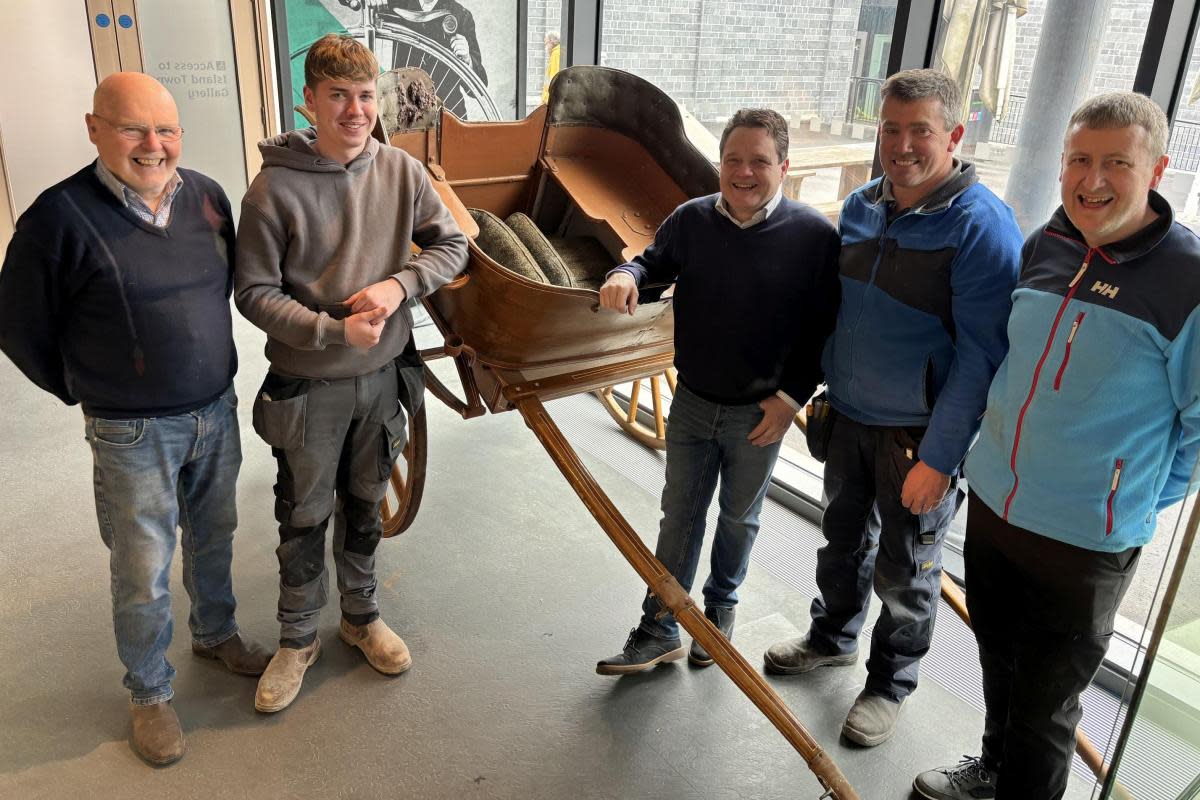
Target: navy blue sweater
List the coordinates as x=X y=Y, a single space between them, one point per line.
x=753 y=306
x=100 y=308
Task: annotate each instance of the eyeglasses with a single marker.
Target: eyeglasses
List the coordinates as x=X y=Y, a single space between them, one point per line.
x=138 y=133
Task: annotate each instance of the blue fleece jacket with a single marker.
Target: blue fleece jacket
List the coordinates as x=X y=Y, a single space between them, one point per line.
x=1093 y=421
x=925 y=298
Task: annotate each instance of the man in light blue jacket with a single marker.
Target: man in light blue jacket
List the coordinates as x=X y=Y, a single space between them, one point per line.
x=1092 y=427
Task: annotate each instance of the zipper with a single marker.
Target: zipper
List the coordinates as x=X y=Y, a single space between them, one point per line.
x=1067 y=355
x=1112 y=494
x=1073 y=286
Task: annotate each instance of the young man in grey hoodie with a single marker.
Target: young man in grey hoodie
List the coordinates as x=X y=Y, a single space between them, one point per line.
x=323 y=267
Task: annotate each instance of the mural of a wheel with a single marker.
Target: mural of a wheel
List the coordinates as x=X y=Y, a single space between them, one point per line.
x=455 y=83
x=403 y=496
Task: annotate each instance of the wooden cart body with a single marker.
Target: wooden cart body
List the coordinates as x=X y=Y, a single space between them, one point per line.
x=607 y=158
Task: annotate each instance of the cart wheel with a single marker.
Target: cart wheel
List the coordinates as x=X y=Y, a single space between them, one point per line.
x=403 y=496
x=625 y=411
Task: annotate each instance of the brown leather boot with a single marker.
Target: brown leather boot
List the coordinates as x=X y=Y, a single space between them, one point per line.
x=385 y=651
x=157 y=737
x=280 y=682
x=240 y=656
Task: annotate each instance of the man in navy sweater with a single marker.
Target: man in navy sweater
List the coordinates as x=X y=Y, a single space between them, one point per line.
x=756 y=296
x=115 y=295
x=929 y=258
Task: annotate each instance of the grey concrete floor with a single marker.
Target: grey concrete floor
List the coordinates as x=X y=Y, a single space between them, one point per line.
x=506 y=591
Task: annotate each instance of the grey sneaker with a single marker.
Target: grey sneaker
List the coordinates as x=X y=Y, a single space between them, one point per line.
x=642 y=651
x=872 y=719
x=793 y=656
x=723 y=619
x=969 y=779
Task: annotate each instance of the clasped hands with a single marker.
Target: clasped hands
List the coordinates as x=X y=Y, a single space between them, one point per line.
x=369 y=312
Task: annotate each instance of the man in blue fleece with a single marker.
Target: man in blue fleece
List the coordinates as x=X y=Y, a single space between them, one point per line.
x=929 y=259
x=1092 y=427
x=115 y=295
x=756 y=295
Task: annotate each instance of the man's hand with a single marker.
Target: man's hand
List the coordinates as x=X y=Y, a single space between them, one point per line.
x=364 y=329
x=777 y=416
x=388 y=294
x=619 y=293
x=460 y=48
x=924 y=488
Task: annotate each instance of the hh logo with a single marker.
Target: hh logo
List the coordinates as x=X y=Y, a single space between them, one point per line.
x=1106 y=289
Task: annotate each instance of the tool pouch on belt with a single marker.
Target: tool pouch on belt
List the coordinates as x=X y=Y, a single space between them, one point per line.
x=819 y=426
x=410 y=376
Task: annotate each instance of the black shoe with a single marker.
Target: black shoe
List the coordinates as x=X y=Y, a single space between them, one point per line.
x=723 y=619
x=642 y=651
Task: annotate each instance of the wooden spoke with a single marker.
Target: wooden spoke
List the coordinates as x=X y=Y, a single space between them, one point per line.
x=407 y=483
x=625 y=412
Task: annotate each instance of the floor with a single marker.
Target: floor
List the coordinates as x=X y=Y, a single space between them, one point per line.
x=507 y=593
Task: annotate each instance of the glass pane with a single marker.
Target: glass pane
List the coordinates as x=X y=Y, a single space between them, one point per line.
x=821 y=69
x=469 y=50
x=544 y=20
x=1160 y=756
x=1024 y=65
x=188 y=47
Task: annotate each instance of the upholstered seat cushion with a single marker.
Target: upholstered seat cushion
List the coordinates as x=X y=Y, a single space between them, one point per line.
x=547 y=258
x=504 y=247
x=578 y=262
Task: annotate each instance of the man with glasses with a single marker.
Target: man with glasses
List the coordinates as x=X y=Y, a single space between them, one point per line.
x=115 y=295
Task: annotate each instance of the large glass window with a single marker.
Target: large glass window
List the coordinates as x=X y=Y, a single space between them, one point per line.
x=1024 y=66
x=820 y=67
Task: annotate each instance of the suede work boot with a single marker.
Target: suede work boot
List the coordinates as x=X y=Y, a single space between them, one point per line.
x=794 y=656
x=157 y=737
x=384 y=650
x=642 y=651
x=240 y=656
x=969 y=779
x=280 y=682
x=872 y=719
x=723 y=619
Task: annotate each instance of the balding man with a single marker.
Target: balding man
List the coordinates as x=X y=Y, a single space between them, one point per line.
x=115 y=295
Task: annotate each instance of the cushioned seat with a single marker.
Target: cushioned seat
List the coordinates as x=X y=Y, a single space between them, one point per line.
x=504 y=247
x=578 y=262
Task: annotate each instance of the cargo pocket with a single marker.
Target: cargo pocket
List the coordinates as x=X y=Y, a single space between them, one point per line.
x=279 y=411
x=392 y=441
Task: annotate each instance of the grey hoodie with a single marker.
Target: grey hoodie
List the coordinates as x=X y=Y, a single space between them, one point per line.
x=313 y=232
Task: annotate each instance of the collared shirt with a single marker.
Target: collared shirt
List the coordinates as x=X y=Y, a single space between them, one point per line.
x=134 y=202
x=887 y=196
x=759 y=216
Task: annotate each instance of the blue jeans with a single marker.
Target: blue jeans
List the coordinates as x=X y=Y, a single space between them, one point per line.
x=152 y=475
x=707 y=441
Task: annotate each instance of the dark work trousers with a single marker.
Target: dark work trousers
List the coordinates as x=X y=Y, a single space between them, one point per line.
x=335 y=442
x=1043 y=614
x=873 y=540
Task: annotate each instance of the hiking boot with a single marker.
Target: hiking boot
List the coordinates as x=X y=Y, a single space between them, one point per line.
x=723 y=619
x=642 y=651
x=157 y=737
x=280 y=682
x=872 y=719
x=969 y=779
x=794 y=656
x=240 y=656
x=384 y=650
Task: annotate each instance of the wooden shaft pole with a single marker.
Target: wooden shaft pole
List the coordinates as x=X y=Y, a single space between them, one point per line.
x=672 y=595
